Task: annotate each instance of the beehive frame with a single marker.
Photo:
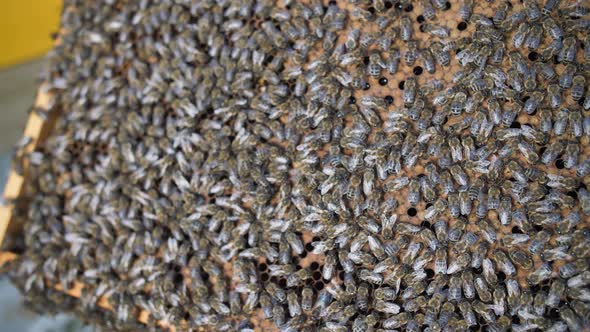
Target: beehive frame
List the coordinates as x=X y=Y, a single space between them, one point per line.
x=38 y=129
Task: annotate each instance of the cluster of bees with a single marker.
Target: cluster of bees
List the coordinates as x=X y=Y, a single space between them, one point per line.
x=430 y=159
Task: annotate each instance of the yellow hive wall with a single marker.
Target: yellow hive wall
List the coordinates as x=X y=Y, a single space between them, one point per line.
x=25 y=29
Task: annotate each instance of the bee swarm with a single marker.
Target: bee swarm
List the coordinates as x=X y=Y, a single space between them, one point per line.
x=353 y=165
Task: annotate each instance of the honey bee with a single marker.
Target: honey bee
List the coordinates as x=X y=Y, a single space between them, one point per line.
x=352 y=39
x=566 y=78
x=387 y=307
x=441 y=55
x=520 y=35
x=467 y=313
x=540 y=274
x=393 y=61
x=468 y=285
x=568 y=51
x=406 y=28
x=441 y=230
x=533 y=39
x=362 y=297
x=414 y=192
x=577 y=90
x=440 y=261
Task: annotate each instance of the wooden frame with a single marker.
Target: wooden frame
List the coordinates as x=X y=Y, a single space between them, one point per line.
x=35 y=128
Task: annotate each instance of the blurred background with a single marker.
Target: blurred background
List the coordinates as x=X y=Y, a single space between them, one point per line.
x=26 y=27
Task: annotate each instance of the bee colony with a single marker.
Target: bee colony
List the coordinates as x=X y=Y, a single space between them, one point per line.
x=313 y=166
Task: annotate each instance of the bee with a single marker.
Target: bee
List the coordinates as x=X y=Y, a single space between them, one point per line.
x=513 y=20
x=385 y=265
x=346 y=263
x=505 y=210
x=539 y=303
x=396 y=321
x=295 y=242
x=440 y=261
x=465 y=203
x=375 y=65
x=584 y=198
x=393 y=61
x=458 y=103
x=500 y=14
x=510 y=240
x=575 y=123
x=406 y=28
x=277 y=293
x=362 y=296
x=556 y=291
x=411 y=253
x=428 y=11
x=553 y=29
x=479 y=252
x=386 y=307
x=528 y=151
x=566 y=78
x=429 y=194
x=414 y=305
x=352 y=39
x=570 y=318
x=411 y=54
x=446 y=312
x=435 y=30
x=546 y=71
x=433 y=211
x=530 y=106
x=433 y=308
x=428 y=61
x=580 y=294
x=266 y=305
x=466 y=10
x=489 y=271
x=520 y=35
x=456 y=230
x=414 y=192
x=533 y=39
x=558 y=326
x=521 y=259
x=583 y=168
x=581 y=280
x=298 y=277
x=376 y=248
x=409 y=93
x=503 y=262
x=468 y=285
x=455 y=288
x=568 y=52
x=551 y=50
x=442 y=57
x=552 y=151
x=467 y=313
x=454 y=205
x=540 y=274
x=386 y=40
x=468 y=239
x=550 y=5
x=278 y=313
x=413 y=290
x=440 y=229
x=570 y=155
